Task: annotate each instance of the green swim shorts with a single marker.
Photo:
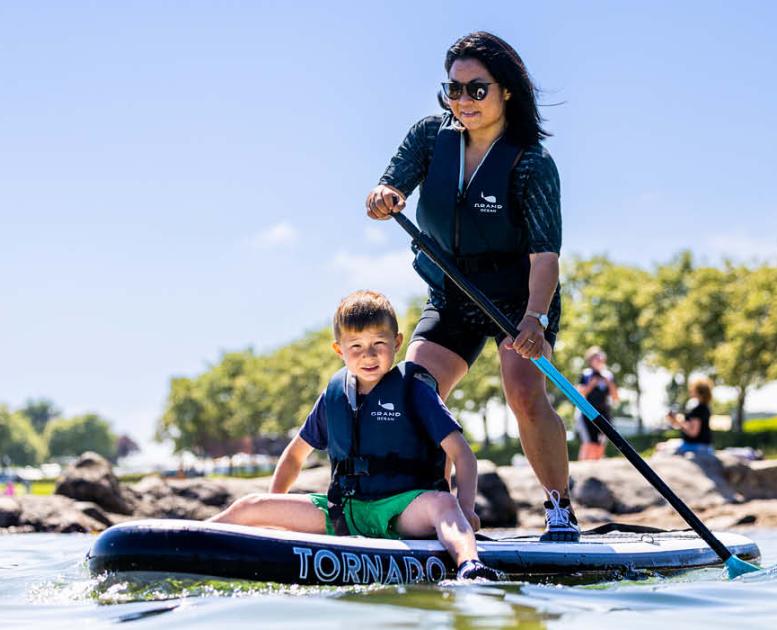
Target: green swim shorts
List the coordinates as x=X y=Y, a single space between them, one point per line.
x=374 y=519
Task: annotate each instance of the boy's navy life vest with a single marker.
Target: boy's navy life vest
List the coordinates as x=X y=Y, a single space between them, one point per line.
x=379 y=448
x=477 y=226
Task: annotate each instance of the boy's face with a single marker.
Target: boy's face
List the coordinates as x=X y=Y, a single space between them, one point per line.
x=368 y=354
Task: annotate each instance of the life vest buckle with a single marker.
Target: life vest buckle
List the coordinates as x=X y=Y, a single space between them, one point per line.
x=360 y=466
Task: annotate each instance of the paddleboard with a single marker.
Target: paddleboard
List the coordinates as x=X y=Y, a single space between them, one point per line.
x=253 y=553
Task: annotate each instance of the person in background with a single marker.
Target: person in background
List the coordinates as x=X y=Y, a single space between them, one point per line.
x=598 y=386
x=694 y=425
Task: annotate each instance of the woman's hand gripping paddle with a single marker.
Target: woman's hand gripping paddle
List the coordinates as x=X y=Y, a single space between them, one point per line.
x=734 y=565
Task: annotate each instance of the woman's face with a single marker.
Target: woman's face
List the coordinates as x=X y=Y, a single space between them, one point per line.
x=477 y=115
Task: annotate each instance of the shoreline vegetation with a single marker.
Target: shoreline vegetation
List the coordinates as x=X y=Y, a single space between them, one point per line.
x=725 y=490
x=680 y=316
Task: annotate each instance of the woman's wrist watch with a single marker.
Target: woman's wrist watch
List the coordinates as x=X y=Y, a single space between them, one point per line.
x=541 y=317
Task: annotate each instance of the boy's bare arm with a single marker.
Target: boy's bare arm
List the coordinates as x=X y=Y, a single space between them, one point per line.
x=457 y=449
x=290 y=465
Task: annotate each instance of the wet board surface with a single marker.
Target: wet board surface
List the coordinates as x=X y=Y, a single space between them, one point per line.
x=235 y=551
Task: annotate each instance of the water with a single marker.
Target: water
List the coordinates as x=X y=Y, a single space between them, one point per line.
x=44 y=583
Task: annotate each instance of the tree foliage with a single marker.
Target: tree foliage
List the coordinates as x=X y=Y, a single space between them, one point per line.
x=680 y=316
x=87 y=432
x=480 y=387
x=20 y=444
x=40 y=412
x=245 y=394
x=603 y=307
x=746 y=357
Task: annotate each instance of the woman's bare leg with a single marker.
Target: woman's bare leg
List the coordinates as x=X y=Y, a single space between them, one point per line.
x=543 y=436
x=447 y=367
x=294 y=512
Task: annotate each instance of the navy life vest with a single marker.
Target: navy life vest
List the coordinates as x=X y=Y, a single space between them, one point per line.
x=379 y=448
x=477 y=227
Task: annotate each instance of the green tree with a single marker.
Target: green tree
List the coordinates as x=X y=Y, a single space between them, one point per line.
x=19 y=442
x=73 y=436
x=747 y=357
x=40 y=412
x=603 y=306
x=685 y=319
x=479 y=388
x=248 y=395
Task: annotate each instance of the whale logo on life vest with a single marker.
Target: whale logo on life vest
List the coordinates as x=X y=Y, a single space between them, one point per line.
x=489 y=199
x=387 y=412
x=491 y=206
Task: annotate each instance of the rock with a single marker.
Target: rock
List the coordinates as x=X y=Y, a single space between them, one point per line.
x=9 y=512
x=525 y=490
x=206 y=491
x=154 y=498
x=56 y=513
x=753 y=480
x=592 y=492
x=493 y=504
x=92 y=510
x=311 y=480
x=91 y=478
x=150 y=487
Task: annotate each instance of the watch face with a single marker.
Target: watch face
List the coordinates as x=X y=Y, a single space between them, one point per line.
x=544 y=321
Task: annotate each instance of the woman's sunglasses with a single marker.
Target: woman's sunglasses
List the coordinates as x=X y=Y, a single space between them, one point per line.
x=478 y=90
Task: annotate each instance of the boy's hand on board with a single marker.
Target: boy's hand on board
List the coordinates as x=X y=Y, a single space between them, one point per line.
x=472 y=518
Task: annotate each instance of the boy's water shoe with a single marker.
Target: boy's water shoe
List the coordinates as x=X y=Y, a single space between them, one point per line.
x=560 y=522
x=474 y=569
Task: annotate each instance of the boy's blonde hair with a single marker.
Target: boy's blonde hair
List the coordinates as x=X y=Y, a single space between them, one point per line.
x=700 y=387
x=363 y=309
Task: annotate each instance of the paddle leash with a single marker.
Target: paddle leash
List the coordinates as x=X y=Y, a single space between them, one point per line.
x=735 y=566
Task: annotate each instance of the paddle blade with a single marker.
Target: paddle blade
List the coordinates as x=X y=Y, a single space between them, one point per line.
x=736 y=567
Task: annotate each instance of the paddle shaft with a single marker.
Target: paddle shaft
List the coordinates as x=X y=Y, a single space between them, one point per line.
x=440 y=258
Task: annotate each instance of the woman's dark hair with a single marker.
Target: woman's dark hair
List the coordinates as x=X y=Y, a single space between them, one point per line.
x=506 y=66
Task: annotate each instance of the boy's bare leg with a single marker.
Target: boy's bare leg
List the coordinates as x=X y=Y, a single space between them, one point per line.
x=294 y=512
x=439 y=512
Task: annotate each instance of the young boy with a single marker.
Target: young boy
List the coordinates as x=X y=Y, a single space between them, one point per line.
x=387 y=433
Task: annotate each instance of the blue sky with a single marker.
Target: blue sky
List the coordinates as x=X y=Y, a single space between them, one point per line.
x=180 y=178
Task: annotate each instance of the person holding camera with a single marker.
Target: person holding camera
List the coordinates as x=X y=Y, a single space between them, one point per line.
x=598 y=386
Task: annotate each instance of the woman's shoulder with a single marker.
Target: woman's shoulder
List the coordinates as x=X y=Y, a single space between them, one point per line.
x=536 y=161
x=428 y=127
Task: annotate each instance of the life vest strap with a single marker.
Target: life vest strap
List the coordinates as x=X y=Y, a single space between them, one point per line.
x=374 y=465
x=491 y=262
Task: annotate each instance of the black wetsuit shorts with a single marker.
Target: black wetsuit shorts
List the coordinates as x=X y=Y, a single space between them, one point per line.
x=451 y=320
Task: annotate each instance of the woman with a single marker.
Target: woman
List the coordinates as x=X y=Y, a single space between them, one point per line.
x=695 y=424
x=598 y=386
x=490 y=198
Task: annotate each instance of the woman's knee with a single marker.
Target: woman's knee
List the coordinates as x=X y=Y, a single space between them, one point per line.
x=528 y=401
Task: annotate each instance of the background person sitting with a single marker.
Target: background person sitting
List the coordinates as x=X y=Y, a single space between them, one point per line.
x=598 y=386
x=694 y=425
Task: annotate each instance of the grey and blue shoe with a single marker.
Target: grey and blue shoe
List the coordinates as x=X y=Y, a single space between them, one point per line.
x=560 y=522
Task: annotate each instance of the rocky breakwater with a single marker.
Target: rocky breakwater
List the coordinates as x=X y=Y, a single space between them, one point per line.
x=723 y=490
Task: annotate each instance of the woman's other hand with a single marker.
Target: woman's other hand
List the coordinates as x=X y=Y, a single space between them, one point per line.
x=383 y=201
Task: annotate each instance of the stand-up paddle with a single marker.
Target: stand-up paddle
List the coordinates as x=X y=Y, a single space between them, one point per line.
x=735 y=566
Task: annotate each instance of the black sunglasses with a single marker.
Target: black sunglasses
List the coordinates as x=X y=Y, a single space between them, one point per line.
x=478 y=90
